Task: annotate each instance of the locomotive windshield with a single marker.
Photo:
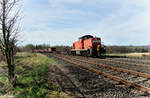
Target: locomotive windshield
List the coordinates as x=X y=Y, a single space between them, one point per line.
x=86 y=37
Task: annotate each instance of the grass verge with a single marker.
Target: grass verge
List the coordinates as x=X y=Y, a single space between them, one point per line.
x=33 y=73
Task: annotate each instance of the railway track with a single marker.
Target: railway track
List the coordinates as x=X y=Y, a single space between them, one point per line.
x=131 y=61
x=124 y=61
x=136 y=66
x=114 y=68
x=108 y=71
x=144 y=68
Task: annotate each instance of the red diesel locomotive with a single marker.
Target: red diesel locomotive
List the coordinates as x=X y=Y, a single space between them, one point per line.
x=88 y=46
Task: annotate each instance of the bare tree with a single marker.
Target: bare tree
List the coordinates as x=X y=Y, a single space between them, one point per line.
x=9 y=28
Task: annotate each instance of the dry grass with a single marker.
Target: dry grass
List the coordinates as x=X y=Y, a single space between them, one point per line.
x=147 y=54
x=138 y=54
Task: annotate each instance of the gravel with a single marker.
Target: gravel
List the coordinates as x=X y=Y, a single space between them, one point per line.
x=142 y=61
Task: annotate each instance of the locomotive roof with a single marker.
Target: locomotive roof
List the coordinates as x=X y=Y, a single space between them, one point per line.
x=89 y=36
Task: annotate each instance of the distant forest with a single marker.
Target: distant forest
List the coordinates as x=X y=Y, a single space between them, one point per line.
x=127 y=49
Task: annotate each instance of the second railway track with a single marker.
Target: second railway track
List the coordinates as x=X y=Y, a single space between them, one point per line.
x=137 y=80
x=136 y=66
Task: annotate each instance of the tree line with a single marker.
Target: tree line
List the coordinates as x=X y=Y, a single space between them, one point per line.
x=31 y=48
x=126 y=49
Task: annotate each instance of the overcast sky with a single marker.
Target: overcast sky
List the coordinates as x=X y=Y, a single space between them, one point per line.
x=61 y=22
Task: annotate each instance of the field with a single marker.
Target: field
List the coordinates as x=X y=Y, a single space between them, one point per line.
x=35 y=78
x=131 y=54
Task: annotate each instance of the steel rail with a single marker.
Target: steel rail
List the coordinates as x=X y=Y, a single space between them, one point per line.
x=131 y=84
x=123 y=62
x=144 y=75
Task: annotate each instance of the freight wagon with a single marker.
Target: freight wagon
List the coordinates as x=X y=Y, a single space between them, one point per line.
x=46 y=50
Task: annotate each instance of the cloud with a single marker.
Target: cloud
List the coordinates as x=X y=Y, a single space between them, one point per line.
x=53 y=37
x=63 y=21
x=129 y=25
x=55 y=3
